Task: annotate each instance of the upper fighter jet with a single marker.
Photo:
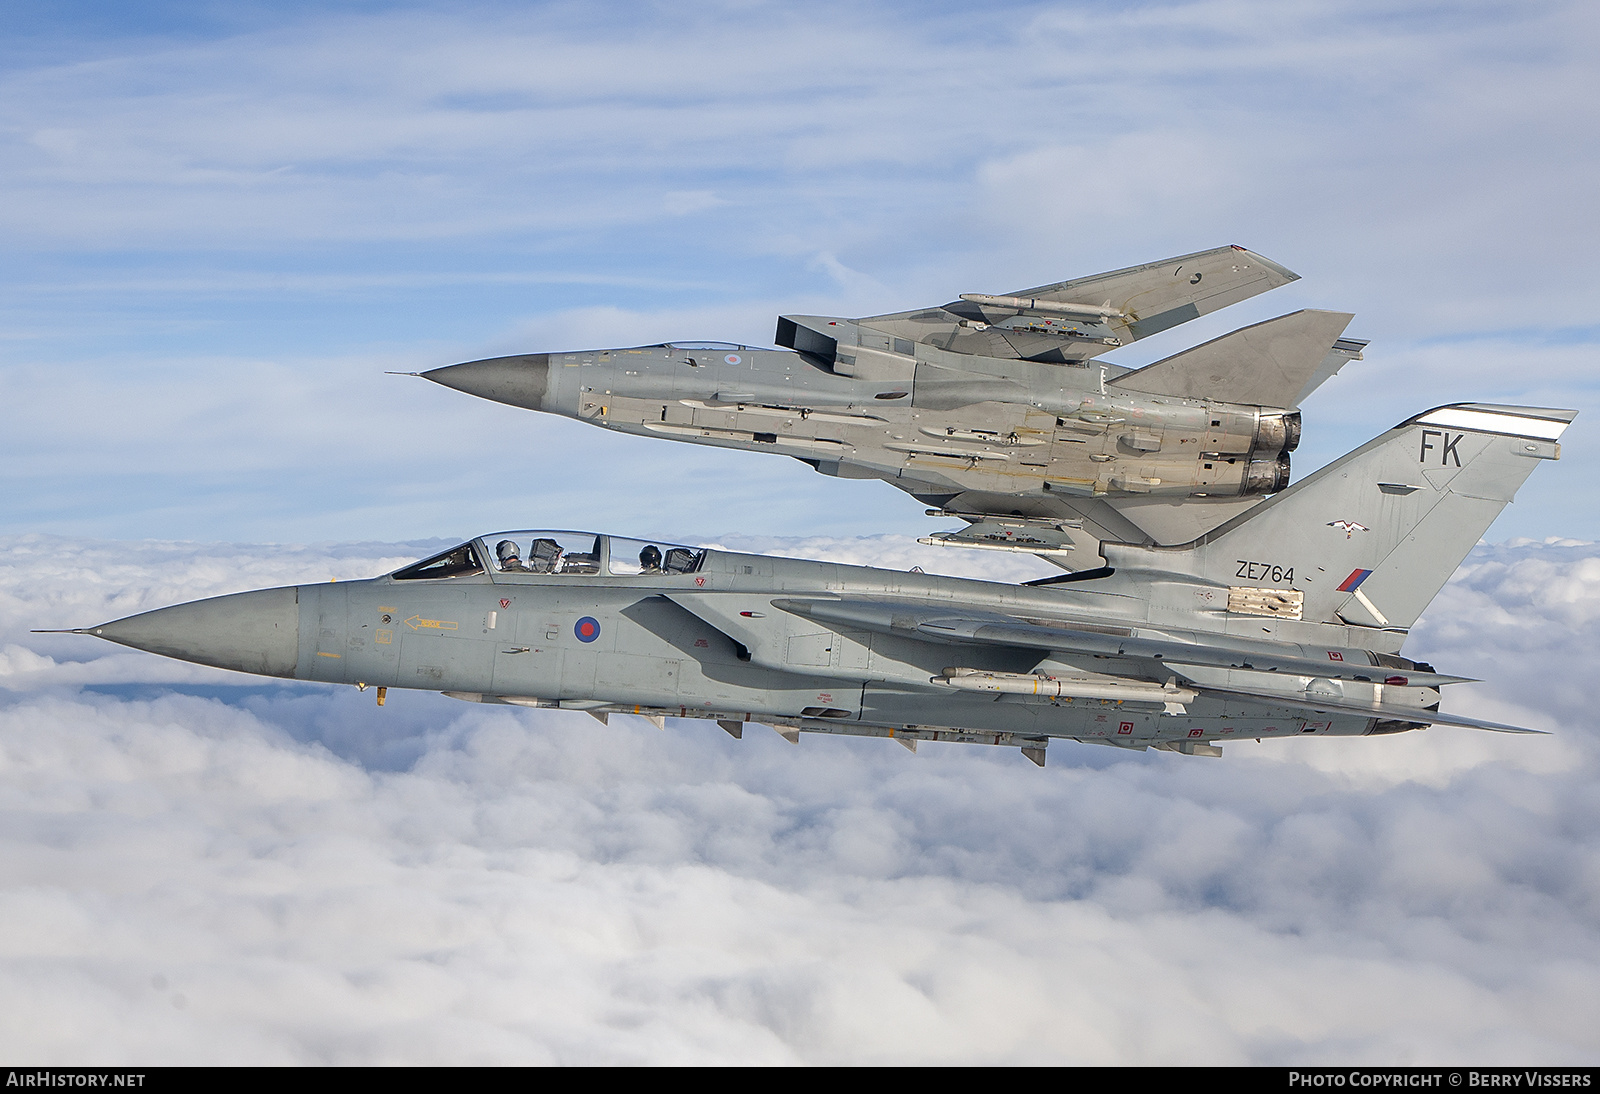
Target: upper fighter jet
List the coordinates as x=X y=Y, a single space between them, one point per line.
x=993 y=408
x=1287 y=620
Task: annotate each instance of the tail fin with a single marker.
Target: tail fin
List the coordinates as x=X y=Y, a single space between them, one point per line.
x=1268 y=364
x=1370 y=539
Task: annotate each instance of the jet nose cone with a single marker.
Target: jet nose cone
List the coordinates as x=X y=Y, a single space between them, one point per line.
x=518 y=381
x=255 y=632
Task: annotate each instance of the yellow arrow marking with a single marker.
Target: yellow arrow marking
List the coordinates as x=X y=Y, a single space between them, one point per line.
x=417 y=623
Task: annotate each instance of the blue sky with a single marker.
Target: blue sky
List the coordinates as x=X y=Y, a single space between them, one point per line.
x=222 y=225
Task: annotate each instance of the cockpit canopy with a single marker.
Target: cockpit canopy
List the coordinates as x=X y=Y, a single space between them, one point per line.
x=700 y=345
x=542 y=552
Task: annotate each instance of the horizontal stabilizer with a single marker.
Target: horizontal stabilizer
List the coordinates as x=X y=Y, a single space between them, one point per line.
x=1268 y=364
x=1327 y=705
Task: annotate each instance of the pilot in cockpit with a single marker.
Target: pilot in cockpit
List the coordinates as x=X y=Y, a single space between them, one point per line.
x=650 y=559
x=506 y=552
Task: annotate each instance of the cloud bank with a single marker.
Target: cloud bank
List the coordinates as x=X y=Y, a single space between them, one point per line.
x=209 y=868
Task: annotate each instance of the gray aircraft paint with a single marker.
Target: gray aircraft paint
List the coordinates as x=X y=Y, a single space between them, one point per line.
x=1286 y=620
x=988 y=409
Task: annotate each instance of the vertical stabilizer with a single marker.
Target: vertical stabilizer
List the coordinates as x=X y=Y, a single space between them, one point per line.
x=1370 y=539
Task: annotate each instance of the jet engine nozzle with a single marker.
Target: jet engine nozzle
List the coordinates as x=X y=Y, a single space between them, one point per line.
x=1277 y=432
x=520 y=380
x=1266 y=476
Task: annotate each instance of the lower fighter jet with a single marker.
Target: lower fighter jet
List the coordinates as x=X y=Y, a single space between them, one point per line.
x=1287 y=620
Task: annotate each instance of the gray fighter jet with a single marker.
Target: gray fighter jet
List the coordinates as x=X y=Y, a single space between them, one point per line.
x=1287 y=620
x=992 y=408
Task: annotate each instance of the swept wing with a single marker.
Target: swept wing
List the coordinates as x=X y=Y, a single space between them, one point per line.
x=1073 y=320
x=1274 y=674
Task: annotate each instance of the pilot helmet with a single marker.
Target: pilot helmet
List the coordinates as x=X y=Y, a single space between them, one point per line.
x=506 y=551
x=650 y=557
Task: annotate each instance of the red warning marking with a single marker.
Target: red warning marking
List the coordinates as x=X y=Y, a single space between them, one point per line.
x=504 y=603
x=1335 y=655
x=1125 y=727
x=1194 y=733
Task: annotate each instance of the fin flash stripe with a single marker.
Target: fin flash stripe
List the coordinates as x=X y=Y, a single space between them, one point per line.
x=1354 y=581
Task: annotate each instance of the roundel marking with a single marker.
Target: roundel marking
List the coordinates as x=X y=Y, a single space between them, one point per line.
x=732 y=358
x=587 y=629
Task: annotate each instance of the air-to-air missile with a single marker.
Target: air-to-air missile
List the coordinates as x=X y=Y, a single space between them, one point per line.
x=992 y=408
x=1287 y=620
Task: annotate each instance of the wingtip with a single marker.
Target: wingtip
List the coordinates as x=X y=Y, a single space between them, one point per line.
x=1278 y=268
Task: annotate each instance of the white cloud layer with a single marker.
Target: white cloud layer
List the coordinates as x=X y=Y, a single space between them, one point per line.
x=200 y=871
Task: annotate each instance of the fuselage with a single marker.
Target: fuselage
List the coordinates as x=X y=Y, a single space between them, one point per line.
x=934 y=423
x=601 y=623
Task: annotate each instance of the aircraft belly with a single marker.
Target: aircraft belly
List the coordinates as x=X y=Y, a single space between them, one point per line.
x=1208 y=719
x=1000 y=448
x=1067 y=718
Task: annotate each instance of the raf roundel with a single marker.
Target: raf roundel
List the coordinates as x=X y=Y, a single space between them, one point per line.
x=587 y=629
x=732 y=358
